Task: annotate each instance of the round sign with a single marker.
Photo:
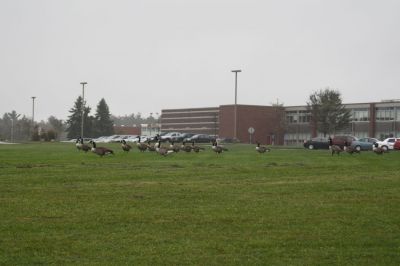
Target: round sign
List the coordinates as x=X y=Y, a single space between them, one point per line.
x=251 y=130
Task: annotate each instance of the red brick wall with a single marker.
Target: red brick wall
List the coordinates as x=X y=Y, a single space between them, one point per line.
x=127 y=130
x=266 y=120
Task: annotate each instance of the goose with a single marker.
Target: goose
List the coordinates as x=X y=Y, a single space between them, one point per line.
x=262 y=149
x=174 y=147
x=78 y=143
x=185 y=147
x=162 y=150
x=218 y=149
x=352 y=150
x=378 y=150
x=336 y=149
x=126 y=147
x=196 y=148
x=101 y=151
x=84 y=147
x=141 y=146
x=150 y=147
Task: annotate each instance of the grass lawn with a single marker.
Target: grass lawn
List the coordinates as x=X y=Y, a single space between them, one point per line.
x=289 y=206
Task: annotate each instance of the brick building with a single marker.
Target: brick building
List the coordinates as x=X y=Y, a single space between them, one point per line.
x=220 y=121
x=280 y=125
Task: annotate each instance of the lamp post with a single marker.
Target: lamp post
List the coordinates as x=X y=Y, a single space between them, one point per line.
x=83 y=105
x=235 y=107
x=33 y=114
x=158 y=122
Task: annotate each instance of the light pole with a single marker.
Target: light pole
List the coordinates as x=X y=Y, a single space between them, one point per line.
x=33 y=114
x=158 y=122
x=83 y=105
x=235 y=110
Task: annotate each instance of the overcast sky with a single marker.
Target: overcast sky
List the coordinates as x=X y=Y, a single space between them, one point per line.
x=144 y=56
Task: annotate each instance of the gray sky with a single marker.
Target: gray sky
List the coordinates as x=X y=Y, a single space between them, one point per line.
x=144 y=56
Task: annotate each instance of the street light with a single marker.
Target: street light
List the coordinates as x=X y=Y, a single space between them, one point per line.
x=83 y=105
x=235 y=111
x=33 y=114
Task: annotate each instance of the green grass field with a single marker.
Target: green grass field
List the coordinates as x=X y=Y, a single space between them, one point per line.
x=290 y=206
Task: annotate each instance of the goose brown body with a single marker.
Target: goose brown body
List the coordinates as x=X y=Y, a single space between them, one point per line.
x=217 y=148
x=196 y=148
x=336 y=149
x=85 y=147
x=141 y=146
x=125 y=147
x=261 y=149
x=101 y=151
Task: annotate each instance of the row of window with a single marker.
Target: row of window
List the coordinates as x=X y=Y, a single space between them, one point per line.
x=381 y=114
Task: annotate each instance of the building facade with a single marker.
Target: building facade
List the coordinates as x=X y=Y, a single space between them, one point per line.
x=191 y=120
x=379 y=120
x=279 y=125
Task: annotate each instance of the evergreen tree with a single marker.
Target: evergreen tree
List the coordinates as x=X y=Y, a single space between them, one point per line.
x=103 y=125
x=75 y=120
x=328 y=114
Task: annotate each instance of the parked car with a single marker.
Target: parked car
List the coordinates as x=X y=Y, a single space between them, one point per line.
x=316 y=143
x=200 y=138
x=364 y=144
x=396 y=145
x=387 y=144
x=142 y=139
x=341 y=140
x=183 y=136
x=170 y=136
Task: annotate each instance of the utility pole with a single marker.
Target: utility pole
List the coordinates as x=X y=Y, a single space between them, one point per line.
x=33 y=114
x=235 y=107
x=83 y=106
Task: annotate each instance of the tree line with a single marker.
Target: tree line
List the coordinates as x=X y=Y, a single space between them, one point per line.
x=328 y=116
x=14 y=126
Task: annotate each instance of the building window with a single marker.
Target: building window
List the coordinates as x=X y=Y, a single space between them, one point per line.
x=385 y=114
x=293 y=117
x=398 y=113
x=359 y=115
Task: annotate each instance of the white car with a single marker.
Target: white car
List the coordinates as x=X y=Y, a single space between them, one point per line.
x=171 y=136
x=387 y=144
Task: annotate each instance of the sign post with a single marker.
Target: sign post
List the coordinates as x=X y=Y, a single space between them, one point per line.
x=251 y=132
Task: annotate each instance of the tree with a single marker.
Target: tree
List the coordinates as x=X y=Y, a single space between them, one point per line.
x=56 y=125
x=103 y=125
x=328 y=114
x=280 y=122
x=75 y=120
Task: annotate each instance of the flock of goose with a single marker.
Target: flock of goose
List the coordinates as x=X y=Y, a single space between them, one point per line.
x=156 y=147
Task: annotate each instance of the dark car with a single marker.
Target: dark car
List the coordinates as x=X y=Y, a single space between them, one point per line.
x=183 y=137
x=317 y=143
x=203 y=138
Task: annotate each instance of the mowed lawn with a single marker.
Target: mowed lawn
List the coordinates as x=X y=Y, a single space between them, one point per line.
x=289 y=206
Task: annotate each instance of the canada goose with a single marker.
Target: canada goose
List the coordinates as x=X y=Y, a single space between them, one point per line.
x=196 y=148
x=101 y=151
x=78 y=143
x=336 y=149
x=174 y=147
x=185 y=147
x=218 y=149
x=150 y=147
x=378 y=150
x=126 y=147
x=262 y=149
x=84 y=147
x=352 y=150
x=141 y=146
x=162 y=150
